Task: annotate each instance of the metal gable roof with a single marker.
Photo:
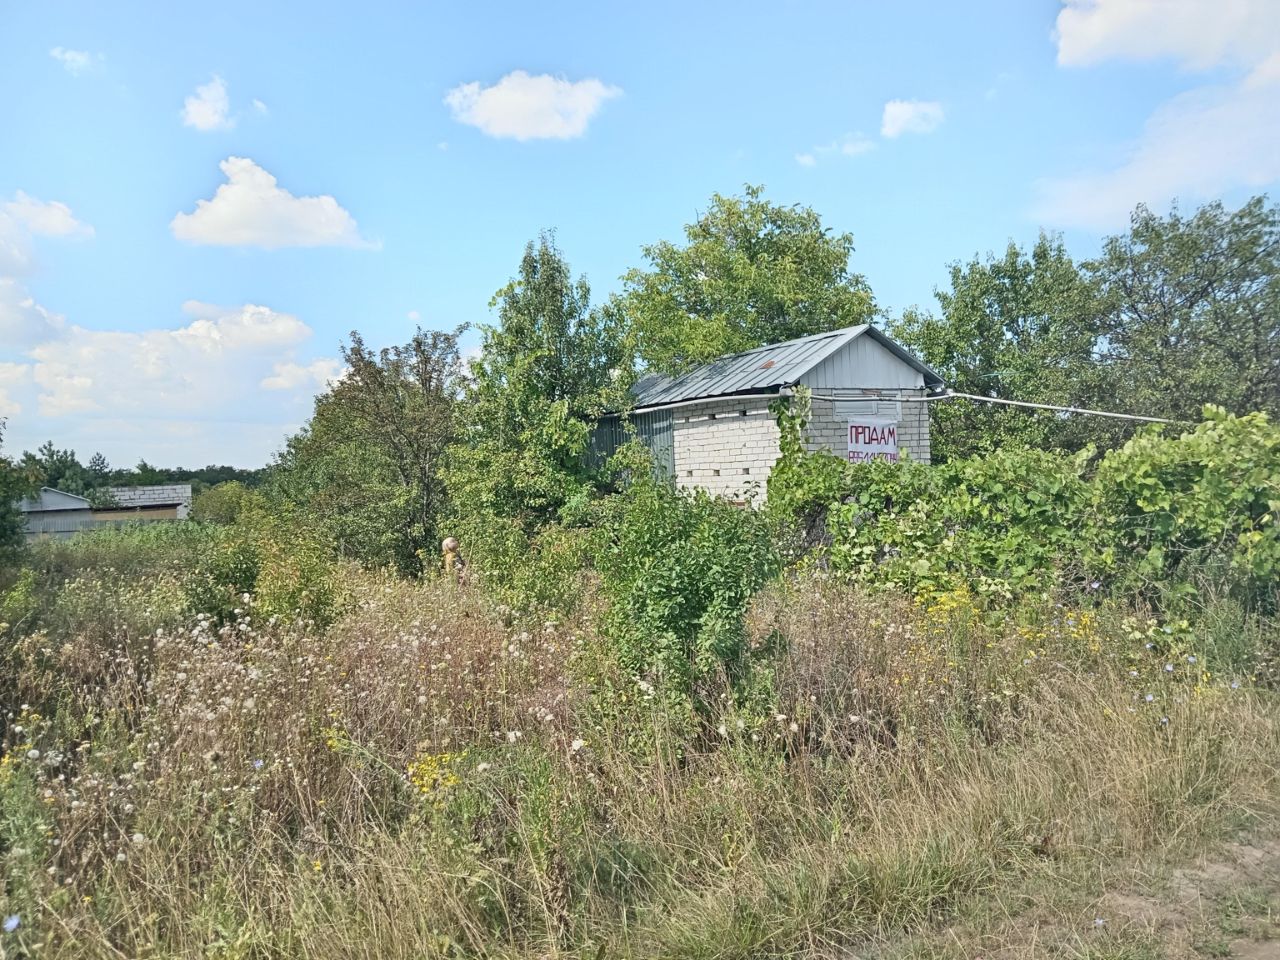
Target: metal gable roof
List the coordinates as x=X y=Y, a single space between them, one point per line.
x=49 y=500
x=762 y=370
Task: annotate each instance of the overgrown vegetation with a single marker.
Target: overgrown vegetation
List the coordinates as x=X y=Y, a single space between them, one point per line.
x=899 y=711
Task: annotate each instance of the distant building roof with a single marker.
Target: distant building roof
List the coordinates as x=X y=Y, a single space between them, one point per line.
x=49 y=500
x=764 y=369
x=163 y=495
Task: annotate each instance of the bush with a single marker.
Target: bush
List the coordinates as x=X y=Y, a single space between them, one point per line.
x=1163 y=516
x=1202 y=507
x=225 y=503
x=679 y=571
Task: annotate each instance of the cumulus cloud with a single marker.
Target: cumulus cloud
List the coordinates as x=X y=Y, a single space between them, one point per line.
x=850 y=145
x=525 y=107
x=195 y=392
x=252 y=210
x=22 y=320
x=289 y=376
x=1197 y=145
x=12 y=376
x=209 y=364
x=1196 y=33
x=910 y=116
x=75 y=62
x=44 y=219
x=209 y=108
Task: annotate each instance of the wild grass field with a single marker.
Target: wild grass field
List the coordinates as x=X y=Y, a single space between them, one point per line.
x=432 y=773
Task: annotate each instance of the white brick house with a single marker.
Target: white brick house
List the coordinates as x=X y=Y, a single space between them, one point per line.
x=711 y=427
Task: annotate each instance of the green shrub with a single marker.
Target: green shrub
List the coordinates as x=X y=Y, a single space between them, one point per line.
x=225 y=503
x=1203 y=507
x=679 y=571
x=1192 y=515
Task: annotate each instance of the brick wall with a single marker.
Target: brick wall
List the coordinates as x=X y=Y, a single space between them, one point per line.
x=728 y=447
x=829 y=427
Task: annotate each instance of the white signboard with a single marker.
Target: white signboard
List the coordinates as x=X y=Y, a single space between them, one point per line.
x=871 y=439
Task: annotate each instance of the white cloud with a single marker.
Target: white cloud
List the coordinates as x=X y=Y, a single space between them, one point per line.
x=1197 y=145
x=289 y=376
x=12 y=376
x=414 y=315
x=206 y=367
x=910 y=116
x=209 y=108
x=525 y=107
x=224 y=385
x=75 y=62
x=850 y=145
x=45 y=219
x=260 y=106
x=22 y=320
x=252 y=210
x=1197 y=33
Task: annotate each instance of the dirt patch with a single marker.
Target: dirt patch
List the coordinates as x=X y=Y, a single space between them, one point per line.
x=1227 y=905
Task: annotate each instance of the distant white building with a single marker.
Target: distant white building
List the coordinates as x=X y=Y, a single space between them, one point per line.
x=711 y=427
x=169 y=501
x=53 y=513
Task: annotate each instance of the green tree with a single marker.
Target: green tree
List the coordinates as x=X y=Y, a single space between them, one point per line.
x=546 y=371
x=16 y=482
x=367 y=468
x=1022 y=326
x=226 y=503
x=1193 y=310
x=99 y=470
x=751 y=272
x=59 y=469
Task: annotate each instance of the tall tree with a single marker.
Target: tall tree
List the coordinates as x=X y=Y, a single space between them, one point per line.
x=751 y=272
x=545 y=372
x=59 y=469
x=1193 y=310
x=16 y=482
x=367 y=468
x=1022 y=326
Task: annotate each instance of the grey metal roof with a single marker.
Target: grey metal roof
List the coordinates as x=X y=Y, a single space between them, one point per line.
x=763 y=370
x=162 y=495
x=49 y=500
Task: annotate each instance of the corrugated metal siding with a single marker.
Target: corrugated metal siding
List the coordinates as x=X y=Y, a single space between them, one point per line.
x=863 y=363
x=58 y=524
x=654 y=428
x=606 y=437
x=64 y=524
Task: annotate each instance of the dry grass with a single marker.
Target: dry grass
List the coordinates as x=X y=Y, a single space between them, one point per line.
x=425 y=780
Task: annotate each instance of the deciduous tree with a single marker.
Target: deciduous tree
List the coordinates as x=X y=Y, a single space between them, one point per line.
x=751 y=272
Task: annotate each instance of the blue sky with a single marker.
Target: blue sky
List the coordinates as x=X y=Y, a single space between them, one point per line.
x=363 y=166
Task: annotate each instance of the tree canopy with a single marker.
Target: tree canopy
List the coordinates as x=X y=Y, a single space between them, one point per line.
x=1021 y=326
x=368 y=466
x=751 y=272
x=1192 y=310
x=546 y=370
